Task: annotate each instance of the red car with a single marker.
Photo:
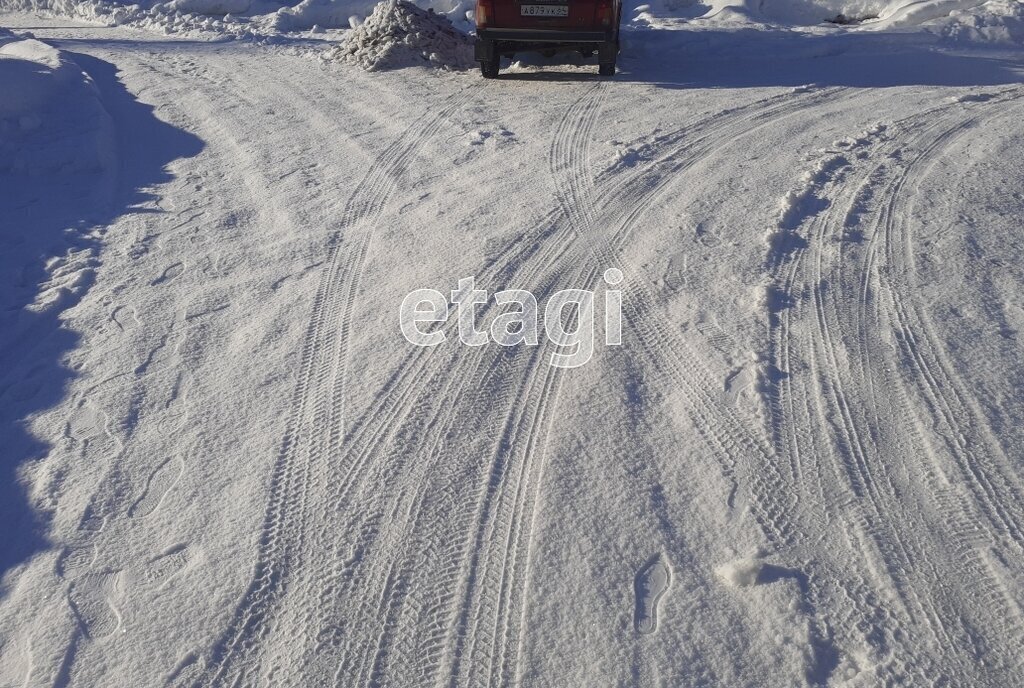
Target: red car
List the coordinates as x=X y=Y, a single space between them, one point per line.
x=505 y=27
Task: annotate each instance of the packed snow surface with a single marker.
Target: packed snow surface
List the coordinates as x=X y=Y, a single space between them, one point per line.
x=223 y=464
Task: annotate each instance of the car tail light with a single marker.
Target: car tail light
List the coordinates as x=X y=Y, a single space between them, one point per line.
x=604 y=12
x=484 y=13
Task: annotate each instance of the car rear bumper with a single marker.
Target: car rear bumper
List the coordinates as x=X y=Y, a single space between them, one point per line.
x=544 y=36
x=493 y=43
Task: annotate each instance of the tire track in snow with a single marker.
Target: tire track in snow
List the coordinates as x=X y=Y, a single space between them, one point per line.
x=911 y=554
x=942 y=388
x=372 y=524
x=577 y=194
x=372 y=527
x=865 y=608
x=945 y=628
x=870 y=485
x=243 y=153
x=944 y=621
x=803 y=283
x=401 y=601
x=569 y=160
x=627 y=208
x=735 y=441
x=573 y=128
x=371 y=447
x=954 y=414
x=303 y=461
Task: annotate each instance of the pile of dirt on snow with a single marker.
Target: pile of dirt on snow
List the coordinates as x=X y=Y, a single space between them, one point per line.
x=399 y=34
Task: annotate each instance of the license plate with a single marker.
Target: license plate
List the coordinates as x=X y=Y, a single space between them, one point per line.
x=544 y=10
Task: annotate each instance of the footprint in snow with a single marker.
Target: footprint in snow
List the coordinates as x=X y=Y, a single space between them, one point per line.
x=160 y=482
x=90 y=598
x=651 y=584
x=160 y=569
x=76 y=560
x=169 y=274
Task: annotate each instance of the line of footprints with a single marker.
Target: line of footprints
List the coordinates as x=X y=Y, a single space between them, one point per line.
x=94 y=587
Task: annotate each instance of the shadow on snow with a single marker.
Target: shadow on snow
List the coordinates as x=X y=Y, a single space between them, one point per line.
x=43 y=217
x=749 y=58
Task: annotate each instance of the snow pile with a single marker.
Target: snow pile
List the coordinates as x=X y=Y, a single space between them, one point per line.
x=399 y=34
x=741 y=573
x=996 y=21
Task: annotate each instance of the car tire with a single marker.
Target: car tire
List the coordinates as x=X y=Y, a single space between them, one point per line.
x=607 y=56
x=489 y=68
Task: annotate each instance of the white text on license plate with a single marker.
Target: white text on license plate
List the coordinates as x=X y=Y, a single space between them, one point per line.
x=544 y=10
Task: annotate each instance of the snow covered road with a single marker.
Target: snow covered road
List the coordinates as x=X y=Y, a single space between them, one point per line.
x=804 y=465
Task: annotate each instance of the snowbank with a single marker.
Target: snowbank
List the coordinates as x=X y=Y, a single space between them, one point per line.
x=56 y=146
x=320 y=13
x=996 y=21
x=399 y=34
x=210 y=7
x=51 y=119
x=181 y=17
x=240 y=19
x=991 y=21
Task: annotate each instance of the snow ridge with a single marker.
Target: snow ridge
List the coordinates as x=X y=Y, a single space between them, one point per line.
x=804 y=201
